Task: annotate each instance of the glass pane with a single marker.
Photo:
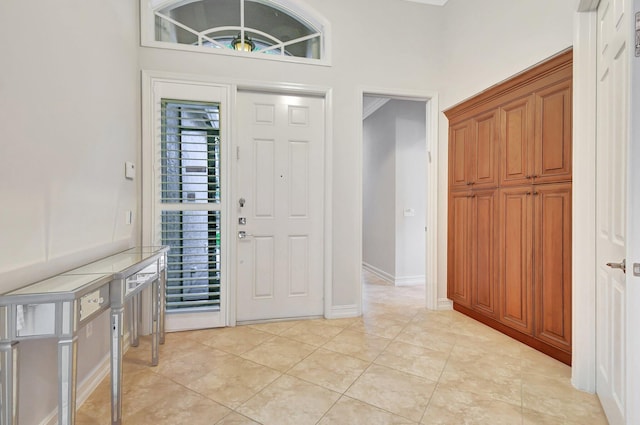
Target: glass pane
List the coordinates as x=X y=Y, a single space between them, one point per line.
x=206 y=14
x=193 y=272
x=190 y=152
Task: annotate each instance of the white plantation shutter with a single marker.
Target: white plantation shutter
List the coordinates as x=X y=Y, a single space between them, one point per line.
x=190 y=197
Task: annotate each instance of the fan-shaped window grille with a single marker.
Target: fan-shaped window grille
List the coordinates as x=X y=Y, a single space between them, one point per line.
x=257 y=27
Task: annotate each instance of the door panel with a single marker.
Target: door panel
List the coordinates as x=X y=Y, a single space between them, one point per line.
x=484 y=155
x=280 y=262
x=553 y=134
x=516 y=131
x=515 y=258
x=460 y=141
x=483 y=276
x=459 y=248
x=552 y=264
x=611 y=220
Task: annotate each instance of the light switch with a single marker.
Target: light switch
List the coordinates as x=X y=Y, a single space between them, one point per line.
x=129 y=170
x=636 y=269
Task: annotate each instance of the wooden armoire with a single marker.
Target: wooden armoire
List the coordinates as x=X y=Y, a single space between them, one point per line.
x=509 y=217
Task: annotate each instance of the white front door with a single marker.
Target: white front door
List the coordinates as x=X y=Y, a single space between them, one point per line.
x=280 y=261
x=611 y=215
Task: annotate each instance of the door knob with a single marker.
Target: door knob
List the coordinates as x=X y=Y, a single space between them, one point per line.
x=241 y=201
x=243 y=235
x=621 y=265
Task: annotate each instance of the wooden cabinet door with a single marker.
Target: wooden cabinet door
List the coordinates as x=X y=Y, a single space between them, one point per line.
x=515 y=259
x=552 y=264
x=516 y=141
x=552 y=147
x=484 y=150
x=459 y=249
x=459 y=153
x=483 y=277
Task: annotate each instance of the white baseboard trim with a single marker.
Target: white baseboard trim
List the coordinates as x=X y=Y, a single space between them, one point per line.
x=445 y=304
x=90 y=383
x=390 y=279
x=410 y=280
x=343 y=311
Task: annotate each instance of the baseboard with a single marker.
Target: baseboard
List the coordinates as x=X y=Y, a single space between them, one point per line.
x=445 y=304
x=90 y=383
x=343 y=311
x=390 y=279
x=410 y=280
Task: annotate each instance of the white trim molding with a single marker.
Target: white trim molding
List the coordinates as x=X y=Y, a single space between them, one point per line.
x=583 y=371
x=430 y=2
x=343 y=311
x=445 y=304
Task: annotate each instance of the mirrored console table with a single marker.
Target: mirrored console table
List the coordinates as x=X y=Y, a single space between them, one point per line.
x=58 y=307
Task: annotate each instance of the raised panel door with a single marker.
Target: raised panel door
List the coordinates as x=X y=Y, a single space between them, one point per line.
x=484 y=149
x=516 y=141
x=552 y=264
x=483 y=278
x=515 y=259
x=553 y=134
x=459 y=152
x=459 y=248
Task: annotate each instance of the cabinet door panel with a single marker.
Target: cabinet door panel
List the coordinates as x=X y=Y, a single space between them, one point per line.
x=553 y=134
x=483 y=281
x=515 y=259
x=484 y=151
x=458 y=285
x=552 y=266
x=459 y=151
x=516 y=135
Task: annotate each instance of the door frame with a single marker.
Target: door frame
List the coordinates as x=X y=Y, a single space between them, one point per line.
x=234 y=85
x=584 y=198
x=431 y=130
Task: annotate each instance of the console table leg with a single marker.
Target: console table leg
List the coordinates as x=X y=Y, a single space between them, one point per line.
x=67 y=368
x=9 y=383
x=117 y=315
x=135 y=320
x=155 y=321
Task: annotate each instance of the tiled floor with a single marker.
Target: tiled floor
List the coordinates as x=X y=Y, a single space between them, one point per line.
x=399 y=364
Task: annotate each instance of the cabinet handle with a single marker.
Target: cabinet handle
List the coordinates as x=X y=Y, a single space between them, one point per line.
x=535 y=193
x=527 y=177
x=528 y=193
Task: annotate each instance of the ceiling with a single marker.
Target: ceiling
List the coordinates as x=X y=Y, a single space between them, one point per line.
x=432 y=2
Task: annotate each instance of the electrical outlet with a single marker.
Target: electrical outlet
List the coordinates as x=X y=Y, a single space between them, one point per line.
x=89 y=329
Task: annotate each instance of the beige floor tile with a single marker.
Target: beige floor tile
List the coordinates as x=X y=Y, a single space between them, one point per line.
x=181 y=407
x=329 y=369
x=556 y=397
x=146 y=389
x=279 y=353
x=452 y=406
x=433 y=339
x=234 y=340
x=312 y=332
x=191 y=366
x=234 y=381
x=381 y=326
x=394 y=391
x=358 y=344
x=354 y=412
x=413 y=359
x=275 y=328
x=494 y=379
x=289 y=401
x=531 y=417
x=236 y=419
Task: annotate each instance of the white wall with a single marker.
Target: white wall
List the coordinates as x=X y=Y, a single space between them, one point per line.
x=394 y=179
x=379 y=192
x=382 y=61
x=411 y=190
x=69 y=112
x=485 y=42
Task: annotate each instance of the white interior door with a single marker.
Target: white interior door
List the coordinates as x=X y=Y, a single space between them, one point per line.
x=280 y=195
x=611 y=196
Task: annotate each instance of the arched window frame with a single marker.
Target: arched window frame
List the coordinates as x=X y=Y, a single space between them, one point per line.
x=148 y=10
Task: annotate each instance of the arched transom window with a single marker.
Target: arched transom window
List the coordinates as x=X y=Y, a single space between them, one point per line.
x=266 y=28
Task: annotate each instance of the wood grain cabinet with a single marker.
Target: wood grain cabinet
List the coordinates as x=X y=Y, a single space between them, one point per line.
x=509 y=229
